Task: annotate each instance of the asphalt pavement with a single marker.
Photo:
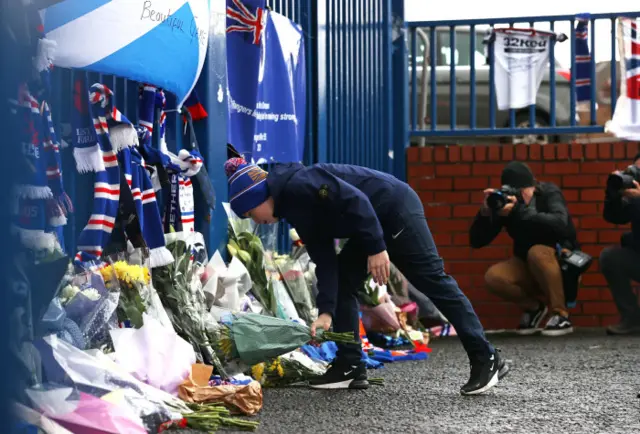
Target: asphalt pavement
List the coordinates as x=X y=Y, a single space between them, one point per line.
x=581 y=383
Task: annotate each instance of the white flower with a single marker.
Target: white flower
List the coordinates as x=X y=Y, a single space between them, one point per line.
x=68 y=292
x=92 y=294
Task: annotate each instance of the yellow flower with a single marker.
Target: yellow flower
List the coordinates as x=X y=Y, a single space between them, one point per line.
x=280 y=370
x=257 y=371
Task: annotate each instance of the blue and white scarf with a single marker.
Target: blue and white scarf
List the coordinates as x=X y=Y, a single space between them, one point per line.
x=113 y=132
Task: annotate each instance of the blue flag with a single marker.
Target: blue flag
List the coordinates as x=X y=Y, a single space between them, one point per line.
x=267 y=83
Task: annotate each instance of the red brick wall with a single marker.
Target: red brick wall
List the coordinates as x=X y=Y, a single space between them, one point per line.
x=450 y=180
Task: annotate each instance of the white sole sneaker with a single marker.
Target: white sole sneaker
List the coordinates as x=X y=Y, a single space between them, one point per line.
x=493 y=382
x=528 y=332
x=346 y=384
x=559 y=332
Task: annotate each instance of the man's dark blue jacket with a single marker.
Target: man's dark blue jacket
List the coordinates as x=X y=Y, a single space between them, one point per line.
x=325 y=202
x=620 y=211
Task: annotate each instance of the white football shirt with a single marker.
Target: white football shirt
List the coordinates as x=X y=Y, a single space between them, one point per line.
x=521 y=58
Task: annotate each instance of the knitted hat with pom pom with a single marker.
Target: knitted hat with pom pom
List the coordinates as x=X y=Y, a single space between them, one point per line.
x=247 y=185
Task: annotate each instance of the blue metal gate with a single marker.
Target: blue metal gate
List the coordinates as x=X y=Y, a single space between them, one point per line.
x=353 y=114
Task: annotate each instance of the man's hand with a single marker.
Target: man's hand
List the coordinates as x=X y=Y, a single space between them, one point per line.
x=487 y=192
x=506 y=210
x=323 y=322
x=632 y=193
x=485 y=208
x=379 y=267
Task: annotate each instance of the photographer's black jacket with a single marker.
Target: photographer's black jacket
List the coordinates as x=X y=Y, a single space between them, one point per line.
x=546 y=221
x=620 y=211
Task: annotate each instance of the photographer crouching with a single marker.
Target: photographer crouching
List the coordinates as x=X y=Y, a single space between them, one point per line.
x=545 y=270
x=621 y=264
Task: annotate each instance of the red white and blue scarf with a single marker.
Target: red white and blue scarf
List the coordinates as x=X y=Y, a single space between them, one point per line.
x=144 y=198
x=113 y=133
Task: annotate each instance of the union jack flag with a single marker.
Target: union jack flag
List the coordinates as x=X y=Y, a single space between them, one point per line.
x=625 y=123
x=247 y=22
x=632 y=60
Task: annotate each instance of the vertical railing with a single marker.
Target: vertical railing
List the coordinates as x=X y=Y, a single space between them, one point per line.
x=557 y=117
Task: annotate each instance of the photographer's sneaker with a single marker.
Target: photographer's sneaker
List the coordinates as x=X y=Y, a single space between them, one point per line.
x=558 y=325
x=484 y=375
x=530 y=320
x=342 y=376
x=624 y=328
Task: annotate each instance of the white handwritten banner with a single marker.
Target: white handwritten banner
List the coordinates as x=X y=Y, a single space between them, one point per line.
x=162 y=42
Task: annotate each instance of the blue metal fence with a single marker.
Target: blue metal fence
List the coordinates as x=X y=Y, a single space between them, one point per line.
x=354 y=76
x=350 y=100
x=536 y=120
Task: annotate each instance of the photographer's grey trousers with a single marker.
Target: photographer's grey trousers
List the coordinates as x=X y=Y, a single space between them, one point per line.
x=621 y=265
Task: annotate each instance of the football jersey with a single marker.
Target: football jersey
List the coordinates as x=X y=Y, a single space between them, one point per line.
x=521 y=59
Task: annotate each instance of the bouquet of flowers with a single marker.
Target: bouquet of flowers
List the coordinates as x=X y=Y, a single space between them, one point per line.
x=284 y=306
x=83 y=308
x=248 y=248
x=180 y=290
x=294 y=280
x=254 y=338
x=210 y=418
x=134 y=283
x=287 y=370
x=378 y=313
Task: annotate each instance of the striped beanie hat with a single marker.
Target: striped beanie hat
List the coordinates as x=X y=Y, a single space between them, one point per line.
x=247 y=185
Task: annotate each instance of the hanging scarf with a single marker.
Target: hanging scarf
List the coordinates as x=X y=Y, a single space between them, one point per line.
x=187 y=208
x=32 y=183
x=179 y=204
x=185 y=165
x=86 y=148
x=583 y=64
x=147 y=210
x=32 y=191
x=60 y=204
x=113 y=132
x=172 y=219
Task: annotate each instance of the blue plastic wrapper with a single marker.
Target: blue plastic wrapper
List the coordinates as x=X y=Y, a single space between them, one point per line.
x=327 y=352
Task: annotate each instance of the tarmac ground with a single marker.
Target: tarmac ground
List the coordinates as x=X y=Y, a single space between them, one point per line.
x=581 y=383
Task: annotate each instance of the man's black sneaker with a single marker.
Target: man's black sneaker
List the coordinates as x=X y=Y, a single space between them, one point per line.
x=484 y=375
x=557 y=325
x=342 y=376
x=530 y=321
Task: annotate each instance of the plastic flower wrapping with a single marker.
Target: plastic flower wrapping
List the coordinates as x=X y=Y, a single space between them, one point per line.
x=83 y=308
x=180 y=290
x=254 y=338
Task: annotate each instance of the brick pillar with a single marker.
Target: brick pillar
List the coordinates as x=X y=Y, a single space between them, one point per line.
x=450 y=180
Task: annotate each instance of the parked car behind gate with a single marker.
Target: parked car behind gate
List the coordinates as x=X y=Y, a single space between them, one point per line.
x=462 y=64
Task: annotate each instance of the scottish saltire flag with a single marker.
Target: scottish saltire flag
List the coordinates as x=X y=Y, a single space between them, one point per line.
x=267 y=83
x=583 y=64
x=163 y=42
x=626 y=119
